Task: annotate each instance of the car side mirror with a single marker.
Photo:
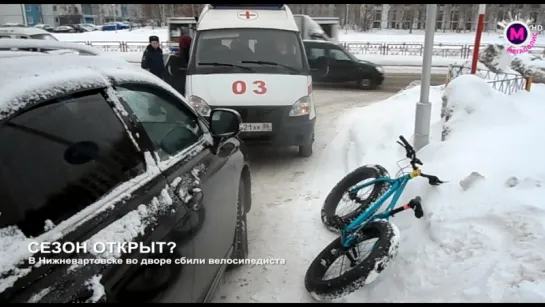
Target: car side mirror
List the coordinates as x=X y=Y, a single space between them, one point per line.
x=224 y=123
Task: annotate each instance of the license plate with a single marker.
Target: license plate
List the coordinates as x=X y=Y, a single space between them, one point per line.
x=255 y=127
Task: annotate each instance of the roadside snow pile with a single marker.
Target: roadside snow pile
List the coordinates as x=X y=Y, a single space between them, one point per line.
x=482 y=236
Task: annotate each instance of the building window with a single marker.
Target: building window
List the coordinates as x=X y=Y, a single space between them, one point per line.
x=378 y=15
x=533 y=16
x=76 y=10
x=454 y=19
x=30 y=20
x=376 y=25
x=38 y=8
x=54 y=8
x=519 y=6
x=28 y=8
x=535 y=6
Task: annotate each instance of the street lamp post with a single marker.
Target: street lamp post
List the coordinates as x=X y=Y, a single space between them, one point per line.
x=114 y=13
x=346 y=19
x=423 y=108
x=478 y=34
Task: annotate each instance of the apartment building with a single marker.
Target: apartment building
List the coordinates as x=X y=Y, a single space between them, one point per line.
x=120 y=12
x=25 y=14
x=450 y=17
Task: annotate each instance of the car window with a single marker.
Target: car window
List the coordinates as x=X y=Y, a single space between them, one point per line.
x=170 y=125
x=62 y=156
x=44 y=36
x=315 y=53
x=339 y=55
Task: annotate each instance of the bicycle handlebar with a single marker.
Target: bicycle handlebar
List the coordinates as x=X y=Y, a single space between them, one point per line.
x=411 y=153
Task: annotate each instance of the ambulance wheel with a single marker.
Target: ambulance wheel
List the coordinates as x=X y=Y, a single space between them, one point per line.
x=305 y=151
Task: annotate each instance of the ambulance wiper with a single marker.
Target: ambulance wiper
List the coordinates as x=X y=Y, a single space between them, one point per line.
x=226 y=64
x=272 y=63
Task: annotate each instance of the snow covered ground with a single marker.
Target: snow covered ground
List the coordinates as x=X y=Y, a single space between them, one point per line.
x=483 y=244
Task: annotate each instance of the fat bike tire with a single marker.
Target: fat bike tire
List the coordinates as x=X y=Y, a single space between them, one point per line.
x=364 y=272
x=335 y=222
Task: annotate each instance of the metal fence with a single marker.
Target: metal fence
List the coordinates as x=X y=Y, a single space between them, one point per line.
x=506 y=83
x=460 y=51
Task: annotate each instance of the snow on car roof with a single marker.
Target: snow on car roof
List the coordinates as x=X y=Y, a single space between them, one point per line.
x=28 y=80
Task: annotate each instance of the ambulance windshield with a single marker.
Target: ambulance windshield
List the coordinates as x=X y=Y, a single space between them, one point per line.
x=260 y=50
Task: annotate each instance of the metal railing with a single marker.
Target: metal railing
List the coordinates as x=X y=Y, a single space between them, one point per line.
x=506 y=83
x=461 y=51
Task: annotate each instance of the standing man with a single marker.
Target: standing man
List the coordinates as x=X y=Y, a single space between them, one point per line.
x=152 y=59
x=177 y=65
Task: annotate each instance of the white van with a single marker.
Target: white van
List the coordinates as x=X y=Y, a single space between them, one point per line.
x=252 y=59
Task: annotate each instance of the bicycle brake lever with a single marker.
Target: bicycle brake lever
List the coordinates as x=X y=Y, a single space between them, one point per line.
x=434 y=180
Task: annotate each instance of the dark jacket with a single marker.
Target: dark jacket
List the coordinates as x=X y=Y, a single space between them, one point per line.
x=177 y=66
x=152 y=59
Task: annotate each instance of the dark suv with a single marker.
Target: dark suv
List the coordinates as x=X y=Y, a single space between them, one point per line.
x=330 y=63
x=95 y=152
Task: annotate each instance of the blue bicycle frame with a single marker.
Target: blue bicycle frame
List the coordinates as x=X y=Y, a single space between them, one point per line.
x=397 y=186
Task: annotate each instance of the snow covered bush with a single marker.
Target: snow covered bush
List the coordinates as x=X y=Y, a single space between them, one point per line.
x=529 y=64
x=496 y=58
x=465 y=100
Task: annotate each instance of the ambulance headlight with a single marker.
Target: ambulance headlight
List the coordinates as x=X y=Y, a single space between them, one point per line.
x=200 y=105
x=301 y=107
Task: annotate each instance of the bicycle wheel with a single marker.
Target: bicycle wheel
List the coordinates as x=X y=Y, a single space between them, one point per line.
x=363 y=270
x=334 y=221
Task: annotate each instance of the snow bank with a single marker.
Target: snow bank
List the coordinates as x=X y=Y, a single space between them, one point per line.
x=482 y=244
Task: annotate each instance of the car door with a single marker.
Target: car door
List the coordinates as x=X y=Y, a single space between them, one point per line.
x=207 y=182
x=74 y=173
x=318 y=62
x=342 y=67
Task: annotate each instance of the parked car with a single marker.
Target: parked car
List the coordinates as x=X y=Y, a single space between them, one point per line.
x=70 y=29
x=113 y=26
x=89 y=27
x=103 y=151
x=26 y=33
x=13 y=24
x=46 y=27
x=331 y=63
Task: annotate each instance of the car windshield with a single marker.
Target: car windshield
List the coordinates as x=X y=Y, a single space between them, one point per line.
x=248 y=50
x=44 y=36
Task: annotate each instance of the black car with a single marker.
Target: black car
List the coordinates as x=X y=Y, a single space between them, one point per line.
x=97 y=153
x=330 y=63
x=69 y=29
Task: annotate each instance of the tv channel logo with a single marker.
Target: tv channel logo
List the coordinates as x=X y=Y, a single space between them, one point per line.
x=521 y=37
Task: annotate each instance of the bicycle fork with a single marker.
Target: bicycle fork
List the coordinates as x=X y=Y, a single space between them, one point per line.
x=415 y=204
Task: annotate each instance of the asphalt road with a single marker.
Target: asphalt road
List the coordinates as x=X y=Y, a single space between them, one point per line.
x=397 y=78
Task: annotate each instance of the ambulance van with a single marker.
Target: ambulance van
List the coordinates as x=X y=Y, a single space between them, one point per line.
x=251 y=58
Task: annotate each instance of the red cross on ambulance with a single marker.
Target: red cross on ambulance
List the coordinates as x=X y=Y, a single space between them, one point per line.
x=247 y=15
